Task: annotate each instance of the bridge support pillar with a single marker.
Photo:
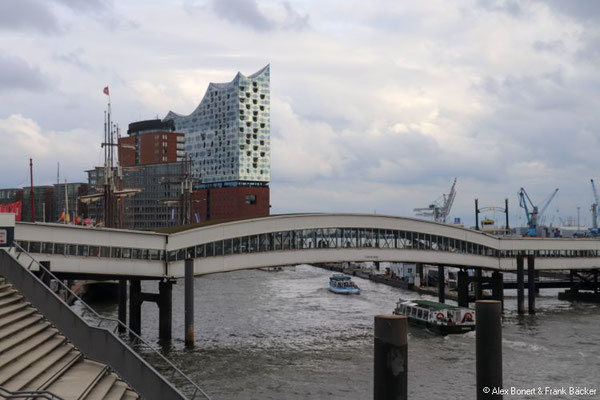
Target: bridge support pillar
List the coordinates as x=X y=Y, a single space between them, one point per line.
x=122 y=304
x=376 y=263
x=531 y=283
x=135 y=306
x=498 y=287
x=441 y=285
x=189 y=302
x=165 y=309
x=520 y=285
x=463 y=288
x=478 y=284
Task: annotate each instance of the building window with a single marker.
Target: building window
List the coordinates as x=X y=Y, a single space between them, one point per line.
x=251 y=199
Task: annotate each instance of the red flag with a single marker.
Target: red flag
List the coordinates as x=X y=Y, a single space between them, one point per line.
x=106 y=91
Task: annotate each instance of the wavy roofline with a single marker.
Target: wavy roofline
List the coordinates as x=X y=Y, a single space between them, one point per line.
x=218 y=85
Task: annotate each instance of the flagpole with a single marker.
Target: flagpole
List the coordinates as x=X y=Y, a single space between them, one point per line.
x=66 y=202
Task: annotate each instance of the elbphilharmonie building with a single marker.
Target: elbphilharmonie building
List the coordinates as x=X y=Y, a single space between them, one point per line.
x=228 y=134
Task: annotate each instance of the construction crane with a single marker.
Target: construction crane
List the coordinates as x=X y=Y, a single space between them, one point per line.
x=594 y=231
x=534 y=215
x=439 y=209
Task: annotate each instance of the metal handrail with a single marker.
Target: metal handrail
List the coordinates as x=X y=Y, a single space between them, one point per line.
x=101 y=319
x=28 y=394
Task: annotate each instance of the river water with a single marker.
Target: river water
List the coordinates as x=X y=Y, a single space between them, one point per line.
x=283 y=335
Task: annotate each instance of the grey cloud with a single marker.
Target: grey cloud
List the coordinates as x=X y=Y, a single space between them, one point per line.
x=554 y=46
x=247 y=13
x=244 y=12
x=27 y=15
x=510 y=7
x=585 y=10
x=85 y=6
x=74 y=58
x=15 y=73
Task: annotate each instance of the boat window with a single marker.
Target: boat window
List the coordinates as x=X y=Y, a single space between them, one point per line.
x=94 y=251
x=34 y=247
x=59 y=248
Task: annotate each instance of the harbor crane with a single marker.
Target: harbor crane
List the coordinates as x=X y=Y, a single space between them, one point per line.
x=439 y=209
x=534 y=215
x=594 y=231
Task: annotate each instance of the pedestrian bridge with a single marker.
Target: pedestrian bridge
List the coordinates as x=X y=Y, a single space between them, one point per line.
x=291 y=239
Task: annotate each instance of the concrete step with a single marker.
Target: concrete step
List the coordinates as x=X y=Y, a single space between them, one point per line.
x=52 y=373
x=130 y=395
x=6 y=293
x=20 y=363
x=25 y=346
x=117 y=391
x=75 y=382
x=16 y=316
x=5 y=286
x=12 y=308
x=8 y=300
x=102 y=387
x=20 y=331
x=46 y=367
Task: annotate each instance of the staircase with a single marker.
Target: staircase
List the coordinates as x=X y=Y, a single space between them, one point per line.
x=34 y=356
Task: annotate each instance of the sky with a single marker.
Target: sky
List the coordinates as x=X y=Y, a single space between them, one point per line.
x=376 y=106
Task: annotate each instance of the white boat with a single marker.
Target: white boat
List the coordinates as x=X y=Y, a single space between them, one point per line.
x=342 y=284
x=438 y=317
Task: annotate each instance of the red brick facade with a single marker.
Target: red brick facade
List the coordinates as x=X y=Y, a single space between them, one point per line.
x=153 y=148
x=229 y=203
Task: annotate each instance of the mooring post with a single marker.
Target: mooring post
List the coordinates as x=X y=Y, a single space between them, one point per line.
x=488 y=348
x=135 y=306
x=122 y=304
x=165 y=308
x=189 y=302
x=531 y=283
x=45 y=276
x=441 y=285
x=520 y=285
x=391 y=358
x=463 y=288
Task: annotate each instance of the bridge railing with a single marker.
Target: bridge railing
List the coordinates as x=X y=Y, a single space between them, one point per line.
x=96 y=342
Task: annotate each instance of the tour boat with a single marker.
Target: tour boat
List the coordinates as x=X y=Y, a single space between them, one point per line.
x=342 y=284
x=438 y=317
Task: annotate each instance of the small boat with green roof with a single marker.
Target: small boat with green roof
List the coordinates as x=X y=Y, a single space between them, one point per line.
x=438 y=317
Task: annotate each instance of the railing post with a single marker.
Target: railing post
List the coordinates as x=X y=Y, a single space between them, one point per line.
x=390 y=358
x=520 y=285
x=189 y=302
x=488 y=348
x=531 y=283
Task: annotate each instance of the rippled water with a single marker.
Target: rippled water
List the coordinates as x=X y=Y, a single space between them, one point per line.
x=283 y=335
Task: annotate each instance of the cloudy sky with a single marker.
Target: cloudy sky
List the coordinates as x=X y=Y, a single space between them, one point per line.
x=376 y=105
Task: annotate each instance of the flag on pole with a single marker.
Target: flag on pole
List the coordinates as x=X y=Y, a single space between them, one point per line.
x=62 y=216
x=106 y=90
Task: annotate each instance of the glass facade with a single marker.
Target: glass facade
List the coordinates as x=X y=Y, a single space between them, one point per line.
x=228 y=134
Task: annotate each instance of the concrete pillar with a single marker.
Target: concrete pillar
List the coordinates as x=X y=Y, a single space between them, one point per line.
x=478 y=284
x=488 y=348
x=463 y=289
x=135 y=306
x=122 y=304
x=189 y=302
x=498 y=287
x=390 y=358
x=441 y=285
x=376 y=263
x=520 y=285
x=531 y=283
x=420 y=273
x=165 y=309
